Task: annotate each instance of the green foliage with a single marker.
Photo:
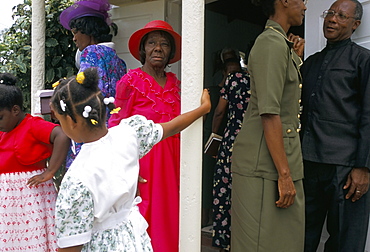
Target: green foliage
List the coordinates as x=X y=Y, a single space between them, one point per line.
x=15 y=46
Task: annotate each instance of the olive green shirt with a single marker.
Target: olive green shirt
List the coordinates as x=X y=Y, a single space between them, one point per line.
x=275 y=89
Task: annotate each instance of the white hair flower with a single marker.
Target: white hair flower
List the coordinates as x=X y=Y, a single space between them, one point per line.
x=63 y=105
x=108 y=100
x=86 y=111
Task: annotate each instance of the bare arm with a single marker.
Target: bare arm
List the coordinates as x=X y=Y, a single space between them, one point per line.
x=60 y=149
x=184 y=120
x=219 y=114
x=71 y=249
x=274 y=139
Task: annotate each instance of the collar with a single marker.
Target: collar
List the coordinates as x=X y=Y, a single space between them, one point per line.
x=337 y=44
x=78 y=52
x=276 y=27
x=108 y=44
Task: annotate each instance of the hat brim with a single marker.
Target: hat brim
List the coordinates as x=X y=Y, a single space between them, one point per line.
x=78 y=10
x=136 y=37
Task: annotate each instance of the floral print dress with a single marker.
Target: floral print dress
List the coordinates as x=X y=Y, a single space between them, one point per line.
x=237 y=92
x=110 y=67
x=96 y=205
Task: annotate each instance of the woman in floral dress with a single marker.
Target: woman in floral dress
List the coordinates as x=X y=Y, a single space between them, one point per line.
x=234 y=98
x=89 y=22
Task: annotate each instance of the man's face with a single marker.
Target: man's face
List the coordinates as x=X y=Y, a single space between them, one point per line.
x=340 y=23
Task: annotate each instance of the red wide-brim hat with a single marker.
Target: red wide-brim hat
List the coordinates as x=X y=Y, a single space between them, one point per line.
x=155 y=25
x=83 y=8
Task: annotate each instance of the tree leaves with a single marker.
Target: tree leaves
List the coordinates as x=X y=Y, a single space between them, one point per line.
x=51 y=42
x=15 y=46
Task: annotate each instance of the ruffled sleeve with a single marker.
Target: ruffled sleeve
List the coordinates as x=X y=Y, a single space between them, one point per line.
x=139 y=94
x=74 y=214
x=125 y=97
x=148 y=133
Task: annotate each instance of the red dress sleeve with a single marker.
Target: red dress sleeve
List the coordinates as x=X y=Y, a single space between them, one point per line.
x=124 y=99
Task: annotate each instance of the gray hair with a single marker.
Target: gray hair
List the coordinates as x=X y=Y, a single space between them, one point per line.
x=358 y=10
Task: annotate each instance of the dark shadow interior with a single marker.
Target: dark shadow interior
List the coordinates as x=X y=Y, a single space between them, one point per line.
x=245 y=10
x=235 y=24
x=228 y=24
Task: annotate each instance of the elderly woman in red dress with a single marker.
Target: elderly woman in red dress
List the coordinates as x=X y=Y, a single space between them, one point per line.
x=154 y=93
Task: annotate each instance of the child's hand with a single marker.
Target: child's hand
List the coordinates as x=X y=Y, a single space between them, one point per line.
x=43 y=177
x=140 y=180
x=206 y=100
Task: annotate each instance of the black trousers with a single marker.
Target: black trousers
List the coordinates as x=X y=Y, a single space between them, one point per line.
x=347 y=221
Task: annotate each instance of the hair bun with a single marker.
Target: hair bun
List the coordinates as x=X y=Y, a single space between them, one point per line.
x=256 y=2
x=91 y=79
x=8 y=79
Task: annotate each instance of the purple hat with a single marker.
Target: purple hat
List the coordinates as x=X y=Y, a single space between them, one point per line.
x=83 y=8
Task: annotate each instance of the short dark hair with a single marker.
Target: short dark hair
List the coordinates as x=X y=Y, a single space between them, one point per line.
x=72 y=97
x=10 y=94
x=95 y=27
x=268 y=6
x=162 y=33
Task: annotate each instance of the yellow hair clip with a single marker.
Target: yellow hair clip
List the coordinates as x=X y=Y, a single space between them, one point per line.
x=55 y=84
x=80 y=77
x=115 y=111
x=94 y=122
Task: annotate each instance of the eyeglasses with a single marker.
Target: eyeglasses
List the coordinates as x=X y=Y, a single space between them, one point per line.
x=340 y=16
x=305 y=2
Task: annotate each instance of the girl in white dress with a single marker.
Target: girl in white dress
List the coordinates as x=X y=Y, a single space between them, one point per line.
x=96 y=207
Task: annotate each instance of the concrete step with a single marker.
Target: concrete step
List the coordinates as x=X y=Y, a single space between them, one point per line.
x=206 y=240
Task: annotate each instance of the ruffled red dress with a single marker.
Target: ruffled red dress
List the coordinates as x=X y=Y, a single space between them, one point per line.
x=137 y=93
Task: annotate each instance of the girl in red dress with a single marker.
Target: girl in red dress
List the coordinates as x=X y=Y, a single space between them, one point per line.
x=27 y=192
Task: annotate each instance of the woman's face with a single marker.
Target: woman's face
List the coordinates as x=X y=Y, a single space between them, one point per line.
x=9 y=119
x=157 y=50
x=81 y=40
x=297 y=12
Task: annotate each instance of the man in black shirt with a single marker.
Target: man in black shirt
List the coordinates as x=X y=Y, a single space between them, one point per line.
x=336 y=134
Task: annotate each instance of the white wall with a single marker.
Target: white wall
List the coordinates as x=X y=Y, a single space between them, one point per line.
x=130 y=17
x=191 y=138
